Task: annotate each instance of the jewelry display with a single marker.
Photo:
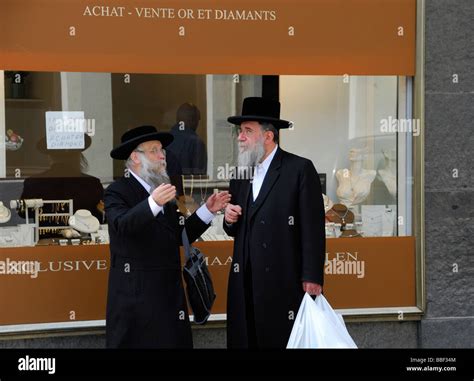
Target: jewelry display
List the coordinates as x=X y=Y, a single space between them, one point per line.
x=186 y=203
x=84 y=222
x=191 y=187
x=340 y=213
x=58 y=217
x=330 y=230
x=39 y=206
x=101 y=236
x=203 y=196
x=348 y=234
x=5 y=213
x=343 y=219
x=70 y=233
x=349 y=231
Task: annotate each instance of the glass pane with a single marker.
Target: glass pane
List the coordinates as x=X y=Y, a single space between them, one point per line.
x=61 y=127
x=339 y=124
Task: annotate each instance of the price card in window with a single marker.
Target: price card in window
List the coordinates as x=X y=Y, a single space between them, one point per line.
x=388 y=221
x=65 y=129
x=372 y=220
x=378 y=220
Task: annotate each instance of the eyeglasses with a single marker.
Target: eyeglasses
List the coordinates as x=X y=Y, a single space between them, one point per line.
x=239 y=130
x=154 y=151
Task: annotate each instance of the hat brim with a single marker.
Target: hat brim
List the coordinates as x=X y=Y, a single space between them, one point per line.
x=123 y=151
x=277 y=123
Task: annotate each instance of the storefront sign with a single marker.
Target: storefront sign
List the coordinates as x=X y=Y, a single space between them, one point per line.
x=64 y=284
x=323 y=37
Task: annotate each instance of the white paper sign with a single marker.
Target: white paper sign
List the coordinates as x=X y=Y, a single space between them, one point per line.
x=389 y=221
x=378 y=220
x=65 y=129
x=372 y=220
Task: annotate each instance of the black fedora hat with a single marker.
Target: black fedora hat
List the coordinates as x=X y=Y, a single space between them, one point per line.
x=132 y=138
x=262 y=110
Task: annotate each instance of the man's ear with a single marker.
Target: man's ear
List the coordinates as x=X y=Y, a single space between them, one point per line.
x=135 y=158
x=269 y=137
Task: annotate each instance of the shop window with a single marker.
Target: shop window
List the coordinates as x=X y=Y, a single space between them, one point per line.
x=346 y=125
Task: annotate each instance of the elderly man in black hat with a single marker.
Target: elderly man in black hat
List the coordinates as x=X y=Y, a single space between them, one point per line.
x=146 y=305
x=277 y=219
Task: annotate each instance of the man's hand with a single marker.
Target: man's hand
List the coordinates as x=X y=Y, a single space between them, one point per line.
x=312 y=288
x=163 y=194
x=218 y=201
x=232 y=213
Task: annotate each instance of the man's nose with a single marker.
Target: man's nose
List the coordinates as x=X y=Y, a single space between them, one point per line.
x=241 y=137
x=161 y=156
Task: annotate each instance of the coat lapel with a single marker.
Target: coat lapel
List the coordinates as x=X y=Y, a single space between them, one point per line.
x=138 y=190
x=270 y=178
x=246 y=189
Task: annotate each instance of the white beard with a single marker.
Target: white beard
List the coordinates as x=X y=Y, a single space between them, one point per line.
x=251 y=156
x=154 y=173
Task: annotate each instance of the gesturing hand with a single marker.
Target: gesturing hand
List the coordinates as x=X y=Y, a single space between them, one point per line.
x=163 y=194
x=232 y=213
x=218 y=201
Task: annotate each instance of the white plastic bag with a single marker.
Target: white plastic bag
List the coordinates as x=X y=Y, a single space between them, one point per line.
x=317 y=325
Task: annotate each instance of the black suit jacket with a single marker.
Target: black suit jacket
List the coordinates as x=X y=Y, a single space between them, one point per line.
x=146 y=305
x=282 y=235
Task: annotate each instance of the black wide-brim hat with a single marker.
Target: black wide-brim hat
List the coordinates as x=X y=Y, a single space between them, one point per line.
x=134 y=137
x=262 y=110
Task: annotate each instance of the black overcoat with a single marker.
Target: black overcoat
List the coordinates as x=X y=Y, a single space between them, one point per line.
x=146 y=305
x=282 y=235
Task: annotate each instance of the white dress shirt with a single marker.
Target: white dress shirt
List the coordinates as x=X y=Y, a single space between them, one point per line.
x=203 y=212
x=260 y=172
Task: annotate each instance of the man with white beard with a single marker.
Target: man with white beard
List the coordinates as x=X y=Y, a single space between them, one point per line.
x=146 y=304
x=277 y=221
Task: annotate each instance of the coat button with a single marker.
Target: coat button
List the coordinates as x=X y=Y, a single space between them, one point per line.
x=267 y=269
x=262 y=222
x=264 y=245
